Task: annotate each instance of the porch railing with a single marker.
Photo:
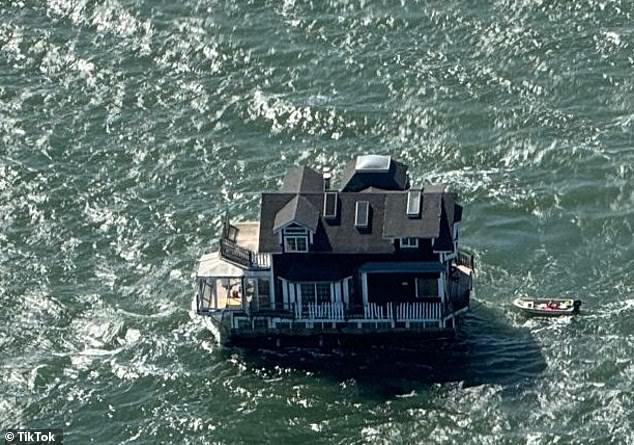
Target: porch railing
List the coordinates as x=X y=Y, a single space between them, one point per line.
x=320 y=311
x=373 y=311
x=419 y=311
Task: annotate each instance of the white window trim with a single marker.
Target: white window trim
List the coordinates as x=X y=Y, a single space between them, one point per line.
x=296 y=232
x=407 y=245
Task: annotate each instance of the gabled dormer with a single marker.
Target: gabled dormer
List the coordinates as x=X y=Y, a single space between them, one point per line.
x=295 y=224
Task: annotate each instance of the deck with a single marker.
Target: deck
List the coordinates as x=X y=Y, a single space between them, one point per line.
x=248 y=235
x=240 y=244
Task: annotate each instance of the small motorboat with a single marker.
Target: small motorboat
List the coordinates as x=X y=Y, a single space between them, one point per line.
x=550 y=307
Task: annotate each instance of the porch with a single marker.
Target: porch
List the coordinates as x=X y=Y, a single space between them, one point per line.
x=390 y=313
x=315 y=318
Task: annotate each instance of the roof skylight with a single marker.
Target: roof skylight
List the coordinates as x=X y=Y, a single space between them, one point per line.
x=373 y=163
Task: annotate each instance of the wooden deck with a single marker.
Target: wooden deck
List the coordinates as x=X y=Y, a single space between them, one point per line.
x=248 y=235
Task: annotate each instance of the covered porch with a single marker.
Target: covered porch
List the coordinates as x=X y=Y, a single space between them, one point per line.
x=377 y=292
x=223 y=285
x=402 y=282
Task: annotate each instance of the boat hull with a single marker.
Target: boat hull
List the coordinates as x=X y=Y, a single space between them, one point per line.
x=547 y=308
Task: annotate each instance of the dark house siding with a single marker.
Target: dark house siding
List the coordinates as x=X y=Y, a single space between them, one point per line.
x=325 y=267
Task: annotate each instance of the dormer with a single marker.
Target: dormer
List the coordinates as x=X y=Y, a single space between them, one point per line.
x=296 y=224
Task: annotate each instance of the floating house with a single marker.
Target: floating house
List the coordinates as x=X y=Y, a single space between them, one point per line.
x=371 y=258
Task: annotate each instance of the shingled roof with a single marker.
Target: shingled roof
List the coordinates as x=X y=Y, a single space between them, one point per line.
x=299 y=211
x=302 y=179
x=303 y=203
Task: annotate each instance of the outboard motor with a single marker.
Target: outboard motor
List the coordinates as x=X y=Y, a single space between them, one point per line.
x=577 y=305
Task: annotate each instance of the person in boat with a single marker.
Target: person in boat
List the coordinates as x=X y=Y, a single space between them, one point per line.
x=552 y=305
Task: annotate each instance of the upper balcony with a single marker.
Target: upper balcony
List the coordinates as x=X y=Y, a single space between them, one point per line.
x=239 y=245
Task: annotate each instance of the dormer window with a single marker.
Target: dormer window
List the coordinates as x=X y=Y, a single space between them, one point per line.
x=413 y=203
x=295 y=239
x=409 y=243
x=362 y=214
x=296 y=244
x=330 y=205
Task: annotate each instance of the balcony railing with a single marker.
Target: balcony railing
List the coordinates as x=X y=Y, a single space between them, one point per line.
x=243 y=257
x=465 y=259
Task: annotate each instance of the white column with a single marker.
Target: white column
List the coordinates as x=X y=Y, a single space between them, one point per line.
x=285 y=293
x=441 y=286
x=291 y=292
x=337 y=291
x=272 y=285
x=364 y=287
x=346 y=295
x=298 y=294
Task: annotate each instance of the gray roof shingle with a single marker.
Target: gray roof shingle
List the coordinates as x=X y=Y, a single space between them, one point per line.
x=298 y=210
x=302 y=180
x=301 y=200
x=398 y=225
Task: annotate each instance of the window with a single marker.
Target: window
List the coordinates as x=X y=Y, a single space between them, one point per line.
x=362 y=214
x=294 y=229
x=323 y=292
x=295 y=239
x=413 y=203
x=308 y=292
x=296 y=243
x=264 y=293
x=409 y=243
x=330 y=205
x=315 y=292
x=232 y=233
x=426 y=287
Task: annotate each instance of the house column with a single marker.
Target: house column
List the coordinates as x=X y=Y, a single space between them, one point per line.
x=285 y=304
x=335 y=291
x=298 y=294
x=291 y=293
x=364 y=287
x=441 y=286
x=272 y=285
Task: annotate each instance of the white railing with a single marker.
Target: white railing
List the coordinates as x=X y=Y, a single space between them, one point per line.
x=320 y=311
x=373 y=311
x=261 y=260
x=418 y=312
x=422 y=311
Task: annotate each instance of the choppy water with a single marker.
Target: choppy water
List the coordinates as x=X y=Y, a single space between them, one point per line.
x=127 y=127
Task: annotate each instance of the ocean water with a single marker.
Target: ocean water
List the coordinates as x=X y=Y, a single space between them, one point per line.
x=128 y=127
